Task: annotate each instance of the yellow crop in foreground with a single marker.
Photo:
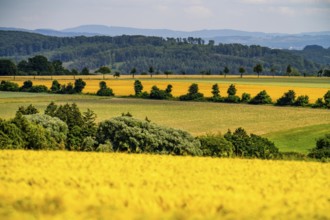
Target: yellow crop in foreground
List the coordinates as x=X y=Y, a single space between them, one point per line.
x=71 y=185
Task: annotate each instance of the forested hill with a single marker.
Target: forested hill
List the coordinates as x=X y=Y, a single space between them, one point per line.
x=188 y=55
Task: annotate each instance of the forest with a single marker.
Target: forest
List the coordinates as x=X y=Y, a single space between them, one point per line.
x=178 y=55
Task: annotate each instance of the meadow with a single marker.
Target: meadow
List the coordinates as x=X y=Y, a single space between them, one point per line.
x=123 y=86
x=291 y=128
x=77 y=185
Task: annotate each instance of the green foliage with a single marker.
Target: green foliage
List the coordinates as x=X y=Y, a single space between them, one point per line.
x=9 y=86
x=327 y=98
x=27 y=85
x=322 y=149
x=131 y=135
x=56 y=128
x=103 y=70
x=39 y=89
x=257 y=69
x=104 y=90
x=246 y=97
x=215 y=145
x=30 y=110
x=319 y=103
x=157 y=93
x=7 y=68
x=231 y=90
x=10 y=136
x=216 y=97
x=261 y=98
x=85 y=71
x=302 y=100
x=192 y=94
x=56 y=87
x=287 y=99
x=79 y=85
x=138 y=87
x=251 y=145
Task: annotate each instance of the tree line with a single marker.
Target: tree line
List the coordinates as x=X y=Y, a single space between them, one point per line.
x=186 y=56
x=288 y=99
x=65 y=127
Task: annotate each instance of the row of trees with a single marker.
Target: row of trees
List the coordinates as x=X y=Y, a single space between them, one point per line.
x=64 y=127
x=56 y=87
x=288 y=99
x=40 y=65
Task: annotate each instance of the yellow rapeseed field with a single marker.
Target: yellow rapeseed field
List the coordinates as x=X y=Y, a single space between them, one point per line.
x=124 y=85
x=72 y=185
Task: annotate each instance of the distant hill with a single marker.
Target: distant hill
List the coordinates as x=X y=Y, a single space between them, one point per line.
x=180 y=55
x=272 y=40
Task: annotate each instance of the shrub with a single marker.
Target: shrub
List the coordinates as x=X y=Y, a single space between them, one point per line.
x=322 y=149
x=261 y=98
x=287 y=99
x=138 y=87
x=215 y=145
x=9 y=86
x=38 y=89
x=157 y=93
x=131 y=135
x=79 y=85
x=192 y=94
x=231 y=90
x=246 y=97
x=251 y=145
x=30 y=110
x=56 y=87
x=327 y=99
x=54 y=126
x=27 y=85
x=319 y=103
x=302 y=100
x=104 y=90
x=11 y=137
x=232 y=99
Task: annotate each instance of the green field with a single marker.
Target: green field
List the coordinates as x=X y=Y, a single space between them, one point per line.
x=291 y=128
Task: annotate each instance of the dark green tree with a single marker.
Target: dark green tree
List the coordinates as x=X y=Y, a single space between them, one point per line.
x=7 y=68
x=56 y=87
x=138 y=87
x=85 y=71
x=288 y=70
x=104 y=90
x=241 y=71
x=287 y=99
x=226 y=71
x=133 y=72
x=257 y=69
x=151 y=71
x=231 y=90
x=261 y=98
x=79 y=85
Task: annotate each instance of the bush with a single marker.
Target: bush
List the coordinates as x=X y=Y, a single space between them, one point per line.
x=246 y=97
x=54 y=126
x=138 y=87
x=327 y=99
x=157 y=93
x=302 y=100
x=79 y=85
x=322 y=149
x=38 y=89
x=287 y=99
x=56 y=87
x=27 y=85
x=104 y=90
x=261 y=98
x=232 y=99
x=127 y=134
x=251 y=145
x=319 y=103
x=192 y=94
x=11 y=137
x=30 y=110
x=231 y=90
x=9 y=86
x=215 y=145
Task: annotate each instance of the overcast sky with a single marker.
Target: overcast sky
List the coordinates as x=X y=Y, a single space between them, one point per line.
x=285 y=16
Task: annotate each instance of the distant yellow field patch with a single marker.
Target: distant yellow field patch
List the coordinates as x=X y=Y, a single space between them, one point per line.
x=72 y=185
x=124 y=85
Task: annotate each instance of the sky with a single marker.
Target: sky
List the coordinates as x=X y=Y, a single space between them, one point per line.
x=271 y=16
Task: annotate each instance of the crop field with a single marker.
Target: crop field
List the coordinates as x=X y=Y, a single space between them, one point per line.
x=73 y=185
x=123 y=86
x=291 y=128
